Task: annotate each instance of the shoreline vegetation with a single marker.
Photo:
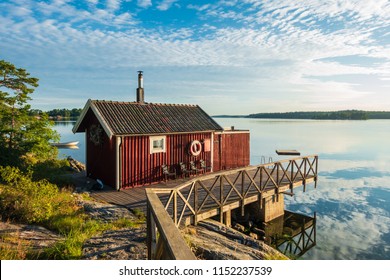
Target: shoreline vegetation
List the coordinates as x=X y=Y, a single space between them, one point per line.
x=36 y=190
x=73 y=114
x=58 y=114
x=317 y=115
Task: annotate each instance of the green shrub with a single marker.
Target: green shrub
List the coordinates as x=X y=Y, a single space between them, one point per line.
x=55 y=171
x=25 y=200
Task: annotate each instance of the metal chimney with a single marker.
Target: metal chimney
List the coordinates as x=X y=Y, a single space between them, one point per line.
x=140 y=89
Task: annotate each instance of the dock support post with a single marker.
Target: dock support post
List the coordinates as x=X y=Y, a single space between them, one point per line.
x=273 y=207
x=228 y=218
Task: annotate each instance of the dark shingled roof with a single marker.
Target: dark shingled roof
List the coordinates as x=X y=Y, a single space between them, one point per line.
x=126 y=118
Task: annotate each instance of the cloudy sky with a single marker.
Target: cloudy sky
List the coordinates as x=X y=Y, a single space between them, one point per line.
x=228 y=56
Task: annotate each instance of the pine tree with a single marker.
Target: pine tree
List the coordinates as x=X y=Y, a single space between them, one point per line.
x=23 y=135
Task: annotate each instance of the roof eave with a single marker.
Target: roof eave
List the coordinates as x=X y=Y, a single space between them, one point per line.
x=167 y=133
x=103 y=123
x=80 y=119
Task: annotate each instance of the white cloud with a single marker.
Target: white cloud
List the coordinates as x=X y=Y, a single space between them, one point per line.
x=144 y=3
x=198 y=8
x=166 y=4
x=113 y=5
x=281 y=45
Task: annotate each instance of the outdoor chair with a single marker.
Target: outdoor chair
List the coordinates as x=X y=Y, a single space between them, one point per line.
x=193 y=167
x=184 y=170
x=204 y=166
x=168 y=173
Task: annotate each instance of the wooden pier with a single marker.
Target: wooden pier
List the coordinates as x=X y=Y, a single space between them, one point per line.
x=216 y=194
x=213 y=194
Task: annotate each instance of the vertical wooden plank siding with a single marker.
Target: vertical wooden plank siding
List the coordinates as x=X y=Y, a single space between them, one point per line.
x=100 y=158
x=231 y=150
x=139 y=167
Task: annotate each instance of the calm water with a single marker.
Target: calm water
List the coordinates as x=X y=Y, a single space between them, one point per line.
x=352 y=199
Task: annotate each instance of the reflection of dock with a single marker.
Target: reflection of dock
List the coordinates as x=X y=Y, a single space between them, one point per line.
x=293 y=234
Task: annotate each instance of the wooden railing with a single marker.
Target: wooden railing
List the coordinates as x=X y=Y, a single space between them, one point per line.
x=216 y=193
x=164 y=238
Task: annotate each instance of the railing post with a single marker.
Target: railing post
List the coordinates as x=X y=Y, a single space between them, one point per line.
x=152 y=234
x=292 y=176
x=175 y=207
x=304 y=174
x=261 y=178
x=196 y=201
x=316 y=175
x=242 y=191
x=221 y=199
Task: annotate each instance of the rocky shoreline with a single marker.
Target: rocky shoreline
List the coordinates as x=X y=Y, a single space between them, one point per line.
x=209 y=240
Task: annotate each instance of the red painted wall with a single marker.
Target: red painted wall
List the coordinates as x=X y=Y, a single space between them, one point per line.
x=231 y=150
x=140 y=167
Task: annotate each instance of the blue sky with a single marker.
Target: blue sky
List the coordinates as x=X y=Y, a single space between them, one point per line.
x=228 y=56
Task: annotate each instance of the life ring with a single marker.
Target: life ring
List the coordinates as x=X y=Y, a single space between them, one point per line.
x=195 y=148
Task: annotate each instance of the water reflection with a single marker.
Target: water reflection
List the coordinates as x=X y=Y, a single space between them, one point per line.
x=64 y=128
x=353 y=195
x=293 y=234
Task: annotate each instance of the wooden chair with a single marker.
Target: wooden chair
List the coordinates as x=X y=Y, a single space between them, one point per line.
x=204 y=166
x=168 y=173
x=193 y=167
x=184 y=170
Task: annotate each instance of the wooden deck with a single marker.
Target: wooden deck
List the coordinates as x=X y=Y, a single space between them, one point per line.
x=208 y=195
x=132 y=198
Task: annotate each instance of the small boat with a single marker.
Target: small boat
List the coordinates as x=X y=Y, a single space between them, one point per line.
x=66 y=144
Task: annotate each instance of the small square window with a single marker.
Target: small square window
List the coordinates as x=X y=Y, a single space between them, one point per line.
x=157 y=144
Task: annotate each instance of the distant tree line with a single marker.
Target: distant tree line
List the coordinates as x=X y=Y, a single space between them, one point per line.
x=333 y=115
x=337 y=115
x=57 y=114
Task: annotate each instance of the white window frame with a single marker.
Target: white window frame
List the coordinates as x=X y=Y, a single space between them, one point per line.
x=160 y=149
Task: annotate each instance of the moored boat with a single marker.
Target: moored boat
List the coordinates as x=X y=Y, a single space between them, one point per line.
x=66 y=144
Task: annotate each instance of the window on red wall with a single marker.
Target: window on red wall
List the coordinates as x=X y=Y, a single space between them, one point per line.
x=157 y=144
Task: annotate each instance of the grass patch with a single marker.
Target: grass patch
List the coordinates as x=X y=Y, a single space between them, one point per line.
x=77 y=229
x=13 y=248
x=139 y=214
x=25 y=200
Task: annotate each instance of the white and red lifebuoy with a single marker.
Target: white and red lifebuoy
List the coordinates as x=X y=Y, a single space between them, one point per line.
x=195 y=148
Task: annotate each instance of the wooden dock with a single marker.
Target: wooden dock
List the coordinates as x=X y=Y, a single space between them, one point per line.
x=133 y=198
x=216 y=194
x=204 y=196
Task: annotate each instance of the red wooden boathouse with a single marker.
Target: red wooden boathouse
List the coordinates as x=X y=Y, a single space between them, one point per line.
x=128 y=142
